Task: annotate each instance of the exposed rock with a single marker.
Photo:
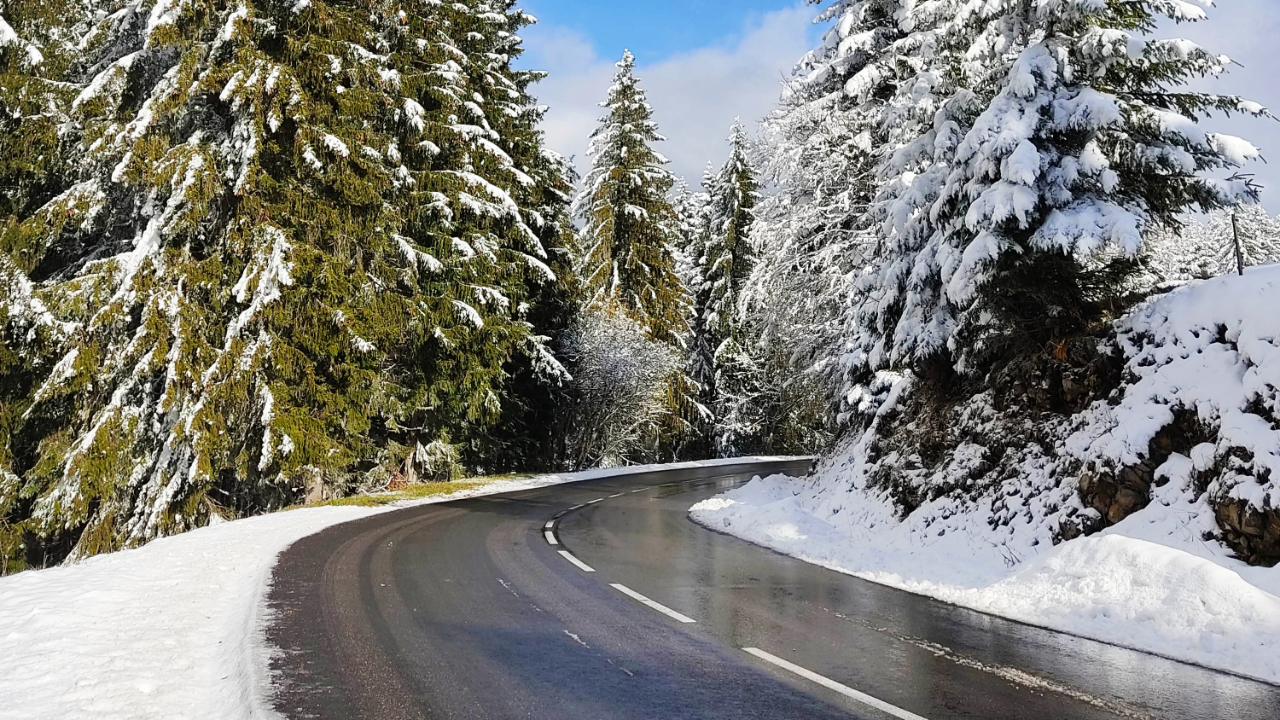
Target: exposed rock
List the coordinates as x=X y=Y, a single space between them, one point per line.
x=1118 y=495
x=1079 y=525
x=1065 y=378
x=1254 y=534
x=319 y=485
x=1074 y=388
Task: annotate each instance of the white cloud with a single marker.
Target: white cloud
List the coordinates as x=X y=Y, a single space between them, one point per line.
x=695 y=95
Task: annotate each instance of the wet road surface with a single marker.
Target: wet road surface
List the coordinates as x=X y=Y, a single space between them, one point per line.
x=467 y=610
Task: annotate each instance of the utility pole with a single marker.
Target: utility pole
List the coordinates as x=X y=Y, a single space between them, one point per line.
x=1235 y=230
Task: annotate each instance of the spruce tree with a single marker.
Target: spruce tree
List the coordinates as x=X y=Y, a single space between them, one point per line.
x=525 y=437
x=1084 y=143
x=728 y=260
x=821 y=151
x=693 y=210
x=33 y=55
x=696 y=434
x=729 y=254
x=902 y=318
x=274 y=245
x=627 y=244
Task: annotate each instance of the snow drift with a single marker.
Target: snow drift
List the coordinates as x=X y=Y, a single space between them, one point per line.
x=989 y=525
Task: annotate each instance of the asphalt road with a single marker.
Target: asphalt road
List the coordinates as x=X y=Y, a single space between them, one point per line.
x=467 y=610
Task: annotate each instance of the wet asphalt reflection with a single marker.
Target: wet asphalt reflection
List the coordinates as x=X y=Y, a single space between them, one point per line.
x=931 y=658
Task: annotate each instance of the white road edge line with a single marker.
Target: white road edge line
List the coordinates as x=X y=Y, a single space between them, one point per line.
x=656 y=606
x=551 y=539
x=830 y=684
x=550 y=524
x=581 y=565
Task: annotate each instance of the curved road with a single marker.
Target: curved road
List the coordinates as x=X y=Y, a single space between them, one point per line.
x=468 y=610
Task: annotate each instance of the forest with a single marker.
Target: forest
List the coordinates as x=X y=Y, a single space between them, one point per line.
x=264 y=252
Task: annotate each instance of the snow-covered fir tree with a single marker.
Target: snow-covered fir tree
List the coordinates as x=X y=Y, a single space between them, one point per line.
x=730 y=255
x=891 y=235
x=896 y=300
x=627 y=251
x=728 y=258
x=691 y=209
x=272 y=245
x=1084 y=143
x=819 y=153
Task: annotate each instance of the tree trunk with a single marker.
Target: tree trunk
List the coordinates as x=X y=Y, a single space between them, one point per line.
x=1235 y=231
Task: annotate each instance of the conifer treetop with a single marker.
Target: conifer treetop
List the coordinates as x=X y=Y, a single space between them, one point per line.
x=628 y=242
x=730 y=255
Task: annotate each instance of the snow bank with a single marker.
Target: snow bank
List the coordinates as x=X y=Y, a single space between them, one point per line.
x=171 y=630
x=1212 y=611
x=983 y=533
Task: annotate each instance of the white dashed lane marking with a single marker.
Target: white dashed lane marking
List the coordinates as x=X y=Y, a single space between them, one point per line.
x=550 y=524
x=830 y=684
x=551 y=538
x=581 y=565
x=656 y=606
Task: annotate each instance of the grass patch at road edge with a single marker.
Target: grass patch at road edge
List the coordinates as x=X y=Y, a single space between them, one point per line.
x=421 y=491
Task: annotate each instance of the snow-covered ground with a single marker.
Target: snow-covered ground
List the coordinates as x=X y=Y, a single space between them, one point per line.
x=170 y=630
x=1153 y=581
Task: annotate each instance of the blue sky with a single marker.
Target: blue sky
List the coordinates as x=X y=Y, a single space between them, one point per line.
x=702 y=63
x=706 y=62
x=653 y=29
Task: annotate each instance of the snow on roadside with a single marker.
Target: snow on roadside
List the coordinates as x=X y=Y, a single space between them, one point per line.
x=170 y=630
x=164 y=631
x=1203 y=608
x=1157 y=580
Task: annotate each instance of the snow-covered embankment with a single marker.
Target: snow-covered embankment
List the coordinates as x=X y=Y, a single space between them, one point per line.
x=1163 y=578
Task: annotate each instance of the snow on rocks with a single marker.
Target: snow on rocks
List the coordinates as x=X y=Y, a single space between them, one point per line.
x=1212 y=348
x=1207 y=356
